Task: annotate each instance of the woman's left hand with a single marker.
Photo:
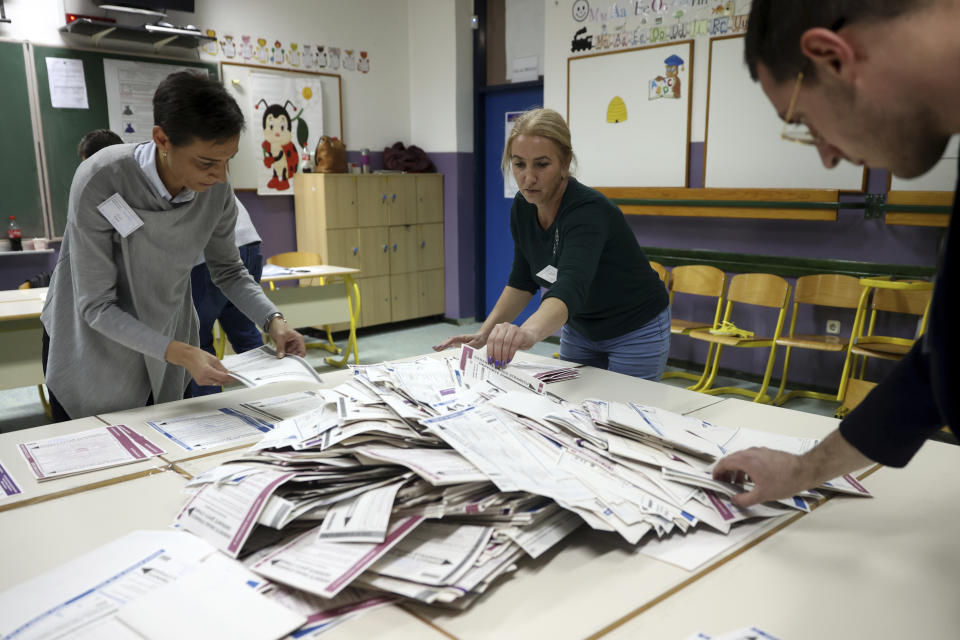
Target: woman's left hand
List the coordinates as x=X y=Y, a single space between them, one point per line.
x=287 y=340
x=504 y=342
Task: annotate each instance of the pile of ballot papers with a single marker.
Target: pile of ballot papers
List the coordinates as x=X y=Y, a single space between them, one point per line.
x=430 y=480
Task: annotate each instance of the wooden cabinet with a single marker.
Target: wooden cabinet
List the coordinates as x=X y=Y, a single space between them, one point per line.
x=390 y=226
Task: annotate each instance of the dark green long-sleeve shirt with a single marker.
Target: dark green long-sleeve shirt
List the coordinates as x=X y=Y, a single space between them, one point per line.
x=603 y=276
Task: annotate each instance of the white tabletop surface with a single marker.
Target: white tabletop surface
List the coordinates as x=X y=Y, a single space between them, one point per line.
x=733 y=412
x=32 y=490
x=876 y=568
x=38 y=537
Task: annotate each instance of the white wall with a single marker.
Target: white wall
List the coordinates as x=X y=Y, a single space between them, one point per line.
x=441 y=74
x=626 y=18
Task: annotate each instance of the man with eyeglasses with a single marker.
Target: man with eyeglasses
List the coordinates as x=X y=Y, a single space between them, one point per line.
x=874 y=82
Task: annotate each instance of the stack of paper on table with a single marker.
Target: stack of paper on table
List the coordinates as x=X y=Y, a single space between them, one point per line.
x=429 y=480
x=262 y=366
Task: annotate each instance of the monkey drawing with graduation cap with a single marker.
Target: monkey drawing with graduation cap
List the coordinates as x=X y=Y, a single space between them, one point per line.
x=279 y=151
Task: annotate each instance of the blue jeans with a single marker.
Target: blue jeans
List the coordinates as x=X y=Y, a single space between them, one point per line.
x=212 y=305
x=641 y=353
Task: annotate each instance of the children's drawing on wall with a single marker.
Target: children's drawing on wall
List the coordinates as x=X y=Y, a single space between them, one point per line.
x=290 y=112
x=616 y=110
x=363 y=64
x=309 y=57
x=293 y=55
x=209 y=47
x=333 y=57
x=581 y=9
x=246 y=48
x=580 y=41
x=261 y=53
x=349 y=60
x=277 y=54
x=228 y=47
x=668 y=85
x=321 y=57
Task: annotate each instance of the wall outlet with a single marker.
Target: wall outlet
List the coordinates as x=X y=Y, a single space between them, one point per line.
x=833 y=327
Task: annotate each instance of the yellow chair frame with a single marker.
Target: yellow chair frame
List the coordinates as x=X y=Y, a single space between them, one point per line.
x=698 y=280
x=43 y=396
x=824 y=290
x=758 y=289
x=896 y=296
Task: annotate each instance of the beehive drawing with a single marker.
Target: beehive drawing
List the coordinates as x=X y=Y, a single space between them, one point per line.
x=616 y=110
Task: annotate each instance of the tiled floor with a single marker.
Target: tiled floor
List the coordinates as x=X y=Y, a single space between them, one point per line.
x=21 y=408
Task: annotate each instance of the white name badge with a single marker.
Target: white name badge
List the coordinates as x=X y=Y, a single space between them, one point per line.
x=118 y=213
x=548 y=273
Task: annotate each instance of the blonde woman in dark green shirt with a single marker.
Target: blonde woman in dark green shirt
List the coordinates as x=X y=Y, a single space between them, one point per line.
x=599 y=289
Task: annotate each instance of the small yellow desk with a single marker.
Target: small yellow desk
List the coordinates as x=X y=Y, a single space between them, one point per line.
x=307 y=306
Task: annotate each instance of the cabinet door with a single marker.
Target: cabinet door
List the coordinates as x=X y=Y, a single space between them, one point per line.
x=403 y=249
x=340 y=200
x=371 y=201
x=374 y=300
x=309 y=213
x=430 y=284
x=401 y=192
x=374 y=251
x=404 y=302
x=430 y=246
x=429 y=198
x=344 y=248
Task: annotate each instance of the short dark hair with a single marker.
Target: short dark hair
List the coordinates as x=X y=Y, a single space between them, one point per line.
x=775 y=27
x=96 y=140
x=188 y=105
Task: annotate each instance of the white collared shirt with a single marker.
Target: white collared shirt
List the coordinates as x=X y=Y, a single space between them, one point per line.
x=146 y=156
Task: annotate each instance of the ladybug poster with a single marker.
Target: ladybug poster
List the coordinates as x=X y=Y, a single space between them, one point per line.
x=286 y=124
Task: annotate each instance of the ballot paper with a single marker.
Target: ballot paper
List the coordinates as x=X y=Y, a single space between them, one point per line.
x=8 y=485
x=540 y=537
x=288 y=405
x=326 y=568
x=84 y=451
x=262 y=366
x=362 y=518
x=216 y=600
x=439 y=467
x=543 y=371
x=224 y=515
x=435 y=553
x=200 y=431
x=80 y=599
x=323 y=613
x=747 y=633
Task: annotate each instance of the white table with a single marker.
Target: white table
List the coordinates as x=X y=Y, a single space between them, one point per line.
x=39 y=537
x=854 y=568
x=34 y=491
x=20 y=337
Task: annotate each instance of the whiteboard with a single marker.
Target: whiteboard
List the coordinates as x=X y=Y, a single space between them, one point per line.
x=743 y=144
x=621 y=135
x=236 y=78
x=942 y=177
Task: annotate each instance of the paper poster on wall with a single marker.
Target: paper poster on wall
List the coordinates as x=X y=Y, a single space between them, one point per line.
x=130 y=87
x=288 y=114
x=623 y=133
x=68 y=87
x=509 y=184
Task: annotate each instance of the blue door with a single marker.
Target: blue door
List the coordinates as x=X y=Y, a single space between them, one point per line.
x=498 y=244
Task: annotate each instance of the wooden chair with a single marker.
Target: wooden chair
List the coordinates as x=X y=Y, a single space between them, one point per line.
x=697 y=280
x=662 y=272
x=757 y=289
x=43 y=396
x=828 y=290
x=909 y=297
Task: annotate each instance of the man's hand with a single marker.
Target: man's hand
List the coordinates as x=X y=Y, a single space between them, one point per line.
x=285 y=339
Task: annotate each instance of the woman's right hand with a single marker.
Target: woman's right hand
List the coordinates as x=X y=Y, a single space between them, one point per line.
x=475 y=340
x=205 y=369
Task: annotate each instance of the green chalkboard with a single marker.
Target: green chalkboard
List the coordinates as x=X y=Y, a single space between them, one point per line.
x=19 y=178
x=63 y=128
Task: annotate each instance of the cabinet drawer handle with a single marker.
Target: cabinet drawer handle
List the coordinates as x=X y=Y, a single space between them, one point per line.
x=423 y=244
x=385 y=247
x=394 y=246
x=383 y=198
x=393 y=197
x=356 y=250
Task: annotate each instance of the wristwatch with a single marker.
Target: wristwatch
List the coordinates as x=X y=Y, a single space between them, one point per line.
x=270 y=318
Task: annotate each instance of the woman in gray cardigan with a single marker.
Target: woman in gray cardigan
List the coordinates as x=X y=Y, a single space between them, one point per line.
x=120 y=330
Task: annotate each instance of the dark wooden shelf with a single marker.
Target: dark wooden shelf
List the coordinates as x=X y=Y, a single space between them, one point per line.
x=147 y=34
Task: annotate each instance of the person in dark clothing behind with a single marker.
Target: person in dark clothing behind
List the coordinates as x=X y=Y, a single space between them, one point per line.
x=600 y=291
